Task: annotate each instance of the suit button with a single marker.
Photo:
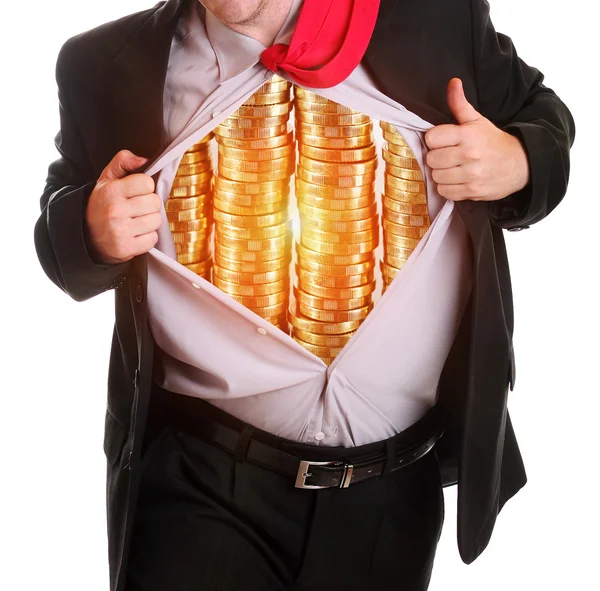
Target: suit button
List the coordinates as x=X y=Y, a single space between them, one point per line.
x=139 y=293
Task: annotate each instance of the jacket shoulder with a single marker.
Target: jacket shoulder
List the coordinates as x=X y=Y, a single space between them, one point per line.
x=89 y=49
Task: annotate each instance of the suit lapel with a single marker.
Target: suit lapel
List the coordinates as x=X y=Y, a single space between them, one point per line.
x=139 y=74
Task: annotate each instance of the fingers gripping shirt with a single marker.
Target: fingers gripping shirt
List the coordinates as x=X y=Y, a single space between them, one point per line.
x=211 y=346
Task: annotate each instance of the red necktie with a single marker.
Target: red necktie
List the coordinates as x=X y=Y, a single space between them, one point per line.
x=329 y=41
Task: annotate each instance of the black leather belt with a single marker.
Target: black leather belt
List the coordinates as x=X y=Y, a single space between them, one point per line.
x=403 y=449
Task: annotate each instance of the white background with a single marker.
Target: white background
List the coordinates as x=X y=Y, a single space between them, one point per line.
x=55 y=351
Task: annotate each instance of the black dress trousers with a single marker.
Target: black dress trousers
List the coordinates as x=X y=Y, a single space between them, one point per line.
x=206 y=521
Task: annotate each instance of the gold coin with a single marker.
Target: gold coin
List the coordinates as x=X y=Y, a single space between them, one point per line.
x=332 y=131
x=255 y=177
x=279 y=321
x=271 y=311
x=201 y=268
x=336 y=204
x=332 y=258
x=251 y=256
x=258 y=209
x=234 y=122
x=339 y=249
x=185 y=215
x=390 y=240
x=405 y=220
x=395 y=184
x=404 y=207
x=369 y=235
x=202 y=247
x=191 y=169
x=311 y=97
x=251 y=278
x=247 y=290
x=342 y=227
x=307 y=188
x=319 y=351
x=286 y=151
x=330 y=143
x=393 y=254
x=323 y=340
x=277 y=164
x=388 y=273
x=401 y=161
x=318 y=327
x=249 y=188
x=191 y=237
x=338 y=169
x=329 y=107
x=178 y=203
x=193 y=257
x=402 y=151
x=281 y=265
x=268 y=98
x=261 y=301
x=332 y=181
x=402 y=230
x=254 y=221
x=335 y=270
x=195 y=157
x=308 y=277
x=320 y=303
x=346 y=156
x=340 y=293
x=339 y=216
x=264 y=111
x=403 y=173
x=335 y=315
x=257 y=144
x=245 y=244
x=329 y=119
x=278 y=85
x=255 y=233
x=280 y=197
x=395 y=262
x=254 y=133
x=191 y=225
x=191 y=190
x=192 y=179
x=392 y=131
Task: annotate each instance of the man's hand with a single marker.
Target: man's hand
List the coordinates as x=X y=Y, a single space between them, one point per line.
x=474 y=159
x=123 y=212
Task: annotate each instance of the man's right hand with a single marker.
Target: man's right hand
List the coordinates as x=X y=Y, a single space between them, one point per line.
x=123 y=211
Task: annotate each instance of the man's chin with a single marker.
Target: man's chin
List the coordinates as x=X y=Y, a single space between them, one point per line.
x=233 y=12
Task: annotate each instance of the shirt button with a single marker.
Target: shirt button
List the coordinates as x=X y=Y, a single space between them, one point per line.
x=261 y=330
x=320 y=435
x=196 y=285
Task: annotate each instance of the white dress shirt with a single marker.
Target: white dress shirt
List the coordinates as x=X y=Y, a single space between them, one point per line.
x=212 y=347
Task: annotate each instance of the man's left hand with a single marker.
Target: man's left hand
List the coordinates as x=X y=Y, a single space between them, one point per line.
x=474 y=159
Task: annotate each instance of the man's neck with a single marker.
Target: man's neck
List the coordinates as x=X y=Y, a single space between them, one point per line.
x=266 y=23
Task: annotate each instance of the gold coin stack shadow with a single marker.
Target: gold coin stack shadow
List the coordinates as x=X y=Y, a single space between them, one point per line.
x=189 y=209
x=339 y=224
x=405 y=218
x=253 y=229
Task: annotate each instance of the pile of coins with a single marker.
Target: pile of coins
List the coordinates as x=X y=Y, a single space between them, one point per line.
x=405 y=218
x=253 y=229
x=339 y=224
x=189 y=209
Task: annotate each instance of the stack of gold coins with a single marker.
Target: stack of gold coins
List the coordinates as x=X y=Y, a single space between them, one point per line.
x=253 y=229
x=189 y=209
x=339 y=225
x=405 y=218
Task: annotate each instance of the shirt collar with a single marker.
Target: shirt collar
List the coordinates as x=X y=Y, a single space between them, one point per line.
x=236 y=52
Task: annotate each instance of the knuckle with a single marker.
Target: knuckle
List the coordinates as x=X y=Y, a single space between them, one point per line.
x=113 y=211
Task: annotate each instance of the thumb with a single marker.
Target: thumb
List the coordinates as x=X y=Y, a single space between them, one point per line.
x=460 y=107
x=123 y=163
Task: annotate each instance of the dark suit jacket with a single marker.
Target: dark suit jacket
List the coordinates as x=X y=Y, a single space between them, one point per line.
x=110 y=81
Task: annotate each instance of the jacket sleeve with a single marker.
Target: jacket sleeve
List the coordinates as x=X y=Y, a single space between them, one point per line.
x=511 y=94
x=60 y=234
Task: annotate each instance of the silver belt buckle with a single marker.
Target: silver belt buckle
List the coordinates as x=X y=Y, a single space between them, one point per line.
x=304 y=473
